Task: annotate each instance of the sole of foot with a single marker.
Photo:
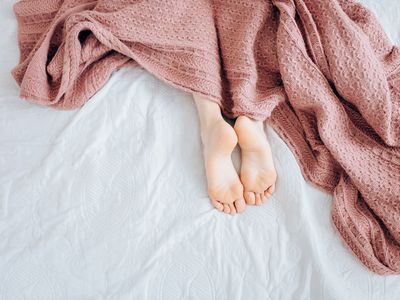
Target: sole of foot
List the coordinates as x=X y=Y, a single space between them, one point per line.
x=257 y=171
x=224 y=186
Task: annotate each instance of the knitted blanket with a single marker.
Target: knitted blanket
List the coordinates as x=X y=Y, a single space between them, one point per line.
x=322 y=73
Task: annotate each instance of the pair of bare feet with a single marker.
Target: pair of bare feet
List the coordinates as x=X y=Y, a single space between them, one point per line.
x=229 y=191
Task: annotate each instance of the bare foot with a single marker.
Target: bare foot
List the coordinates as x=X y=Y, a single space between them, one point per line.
x=224 y=186
x=257 y=171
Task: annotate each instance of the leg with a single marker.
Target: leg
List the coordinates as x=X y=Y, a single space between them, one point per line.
x=219 y=139
x=257 y=172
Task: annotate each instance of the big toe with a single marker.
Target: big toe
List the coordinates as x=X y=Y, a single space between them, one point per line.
x=240 y=205
x=250 y=198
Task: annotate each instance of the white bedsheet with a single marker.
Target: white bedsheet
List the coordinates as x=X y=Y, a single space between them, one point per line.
x=110 y=202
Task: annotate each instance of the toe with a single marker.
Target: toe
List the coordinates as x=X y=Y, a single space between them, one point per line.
x=270 y=190
x=258 y=199
x=226 y=208
x=232 y=209
x=217 y=205
x=250 y=198
x=263 y=198
x=240 y=205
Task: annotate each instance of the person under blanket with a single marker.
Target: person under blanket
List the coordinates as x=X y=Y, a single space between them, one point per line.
x=323 y=74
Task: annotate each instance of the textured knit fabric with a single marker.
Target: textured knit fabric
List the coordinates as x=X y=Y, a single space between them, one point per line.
x=322 y=73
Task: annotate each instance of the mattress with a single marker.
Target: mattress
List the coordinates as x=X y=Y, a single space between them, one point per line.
x=110 y=202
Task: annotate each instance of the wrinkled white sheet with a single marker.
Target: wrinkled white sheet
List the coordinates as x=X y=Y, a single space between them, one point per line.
x=110 y=202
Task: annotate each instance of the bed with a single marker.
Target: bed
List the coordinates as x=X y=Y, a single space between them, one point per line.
x=110 y=202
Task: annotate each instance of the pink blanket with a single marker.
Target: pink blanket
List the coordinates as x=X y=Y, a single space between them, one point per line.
x=322 y=73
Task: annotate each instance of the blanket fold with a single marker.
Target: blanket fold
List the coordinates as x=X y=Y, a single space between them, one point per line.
x=322 y=73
